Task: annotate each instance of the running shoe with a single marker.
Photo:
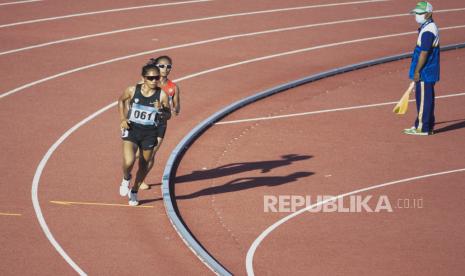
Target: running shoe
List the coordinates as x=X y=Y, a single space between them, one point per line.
x=144 y=186
x=124 y=187
x=133 y=198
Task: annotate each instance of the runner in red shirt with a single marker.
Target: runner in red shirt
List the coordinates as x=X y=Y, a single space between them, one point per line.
x=165 y=64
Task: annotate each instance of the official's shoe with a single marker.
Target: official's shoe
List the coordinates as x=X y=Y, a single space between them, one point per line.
x=124 y=187
x=415 y=131
x=410 y=128
x=133 y=199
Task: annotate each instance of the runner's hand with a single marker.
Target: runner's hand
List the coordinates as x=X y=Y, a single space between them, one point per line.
x=164 y=115
x=158 y=105
x=124 y=124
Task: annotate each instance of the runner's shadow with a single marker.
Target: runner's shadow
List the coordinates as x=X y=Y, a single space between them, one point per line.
x=146 y=201
x=460 y=124
x=235 y=168
x=247 y=183
x=153 y=185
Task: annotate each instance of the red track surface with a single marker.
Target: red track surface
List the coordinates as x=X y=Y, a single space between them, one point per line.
x=334 y=153
x=357 y=148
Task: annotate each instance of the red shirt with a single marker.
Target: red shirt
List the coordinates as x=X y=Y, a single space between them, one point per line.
x=169 y=88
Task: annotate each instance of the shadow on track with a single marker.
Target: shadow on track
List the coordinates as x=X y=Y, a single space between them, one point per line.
x=235 y=168
x=247 y=183
x=458 y=125
x=146 y=201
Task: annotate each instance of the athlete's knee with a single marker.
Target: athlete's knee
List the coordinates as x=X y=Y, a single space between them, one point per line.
x=128 y=162
x=144 y=162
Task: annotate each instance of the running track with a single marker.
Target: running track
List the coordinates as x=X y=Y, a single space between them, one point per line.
x=58 y=72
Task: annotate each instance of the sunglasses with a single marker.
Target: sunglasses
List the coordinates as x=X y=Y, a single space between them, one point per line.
x=152 y=78
x=161 y=66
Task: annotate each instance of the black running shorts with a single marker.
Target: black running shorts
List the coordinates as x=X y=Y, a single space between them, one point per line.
x=146 y=139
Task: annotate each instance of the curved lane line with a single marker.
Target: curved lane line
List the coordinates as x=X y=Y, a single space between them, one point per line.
x=51 y=150
x=325 y=111
x=188 y=21
x=264 y=234
x=19 y=2
x=196 y=132
x=307 y=50
x=35 y=188
x=13 y=91
x=99 y=12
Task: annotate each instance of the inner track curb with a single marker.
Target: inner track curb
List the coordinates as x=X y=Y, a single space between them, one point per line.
x=176 y=155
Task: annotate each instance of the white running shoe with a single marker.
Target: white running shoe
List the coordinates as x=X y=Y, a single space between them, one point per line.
x=133 y=199
x=124 y=187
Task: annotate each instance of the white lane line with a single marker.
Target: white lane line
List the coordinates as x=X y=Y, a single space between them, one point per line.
x=311 y=49
x=213 y=69
x=325 y=111
x=19 y=2
x=264 y=234
x=43 y=162
x=35 y=188
x=100 y=12
x=184 y=22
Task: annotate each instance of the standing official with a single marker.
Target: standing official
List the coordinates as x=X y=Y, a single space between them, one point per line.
x=424 y=69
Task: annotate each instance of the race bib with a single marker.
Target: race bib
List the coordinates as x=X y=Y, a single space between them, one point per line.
x=144 y=115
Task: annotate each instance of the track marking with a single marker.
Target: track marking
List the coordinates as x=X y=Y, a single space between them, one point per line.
x=99 y=12
x=5 y=94
x=35 y=188
x=51 y=150
x=10 y=214
x=68 y=203
x=325 y=111
x=19 y=2
x=178 y=23
x=264 y=234
x=307 y=50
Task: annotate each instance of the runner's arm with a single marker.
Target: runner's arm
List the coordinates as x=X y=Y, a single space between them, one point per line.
x=122 y=103
x=165 y=106
x=177 y=100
